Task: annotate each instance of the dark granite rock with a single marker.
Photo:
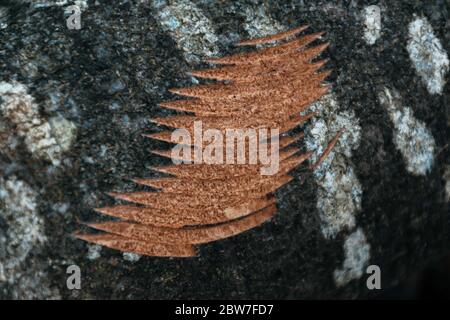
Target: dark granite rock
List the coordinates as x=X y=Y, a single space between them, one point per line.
x=106 y=80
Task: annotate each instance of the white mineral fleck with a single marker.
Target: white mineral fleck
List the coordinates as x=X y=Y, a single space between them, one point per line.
x=190 y=28
x=339 y=193
x=94 y=251
x=372 y=24
x=132 y=257
x=23 y=236
x=44 y=139
x=357 y=255
x=411 y=136
x=427 y=55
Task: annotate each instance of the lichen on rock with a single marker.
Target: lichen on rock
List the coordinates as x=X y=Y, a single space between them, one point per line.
x=339 y=190
x=427 y=55
x=357 y=255
x=372 y=24
x=258 y=23
x=44 y=139
x=411 y=136
x=24 y=235
x=191 y=29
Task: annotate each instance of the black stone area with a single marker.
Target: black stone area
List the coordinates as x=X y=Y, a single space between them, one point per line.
x=109 y=77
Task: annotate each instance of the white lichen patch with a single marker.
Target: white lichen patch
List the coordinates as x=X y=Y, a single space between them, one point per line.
x=357 y=255
x=23 y=235
x=63 y=131
x=411 y=137
x=259 y=24
x=339 y=190
x=25 y=227
x=132 y=257
x=44 y=139
x=372 y=24
x=47 y=3
x=94 y=251
x=22 y=274
x=82 y=4
x=338 y=200
x=427 y=55
x=447 y=183
x=190 y=28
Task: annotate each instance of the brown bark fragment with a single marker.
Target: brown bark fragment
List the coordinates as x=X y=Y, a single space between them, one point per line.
x=191 y=235
x=229 y=123
x=179 y=217
x=225 y=171
x=140 y=247
x=237 y=90
x=228 y=187
x=246 y=106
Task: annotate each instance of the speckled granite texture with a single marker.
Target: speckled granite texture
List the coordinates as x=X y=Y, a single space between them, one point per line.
x=74 y=103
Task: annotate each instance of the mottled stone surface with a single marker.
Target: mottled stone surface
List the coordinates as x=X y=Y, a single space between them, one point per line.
x=95 y=90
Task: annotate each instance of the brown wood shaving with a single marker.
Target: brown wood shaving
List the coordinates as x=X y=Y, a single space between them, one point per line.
x=266 y=88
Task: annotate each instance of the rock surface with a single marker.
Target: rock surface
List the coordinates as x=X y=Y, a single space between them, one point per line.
x=74 y=103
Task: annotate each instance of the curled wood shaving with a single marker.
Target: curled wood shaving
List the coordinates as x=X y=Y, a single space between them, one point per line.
x=267 y=88
x=190 y=235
